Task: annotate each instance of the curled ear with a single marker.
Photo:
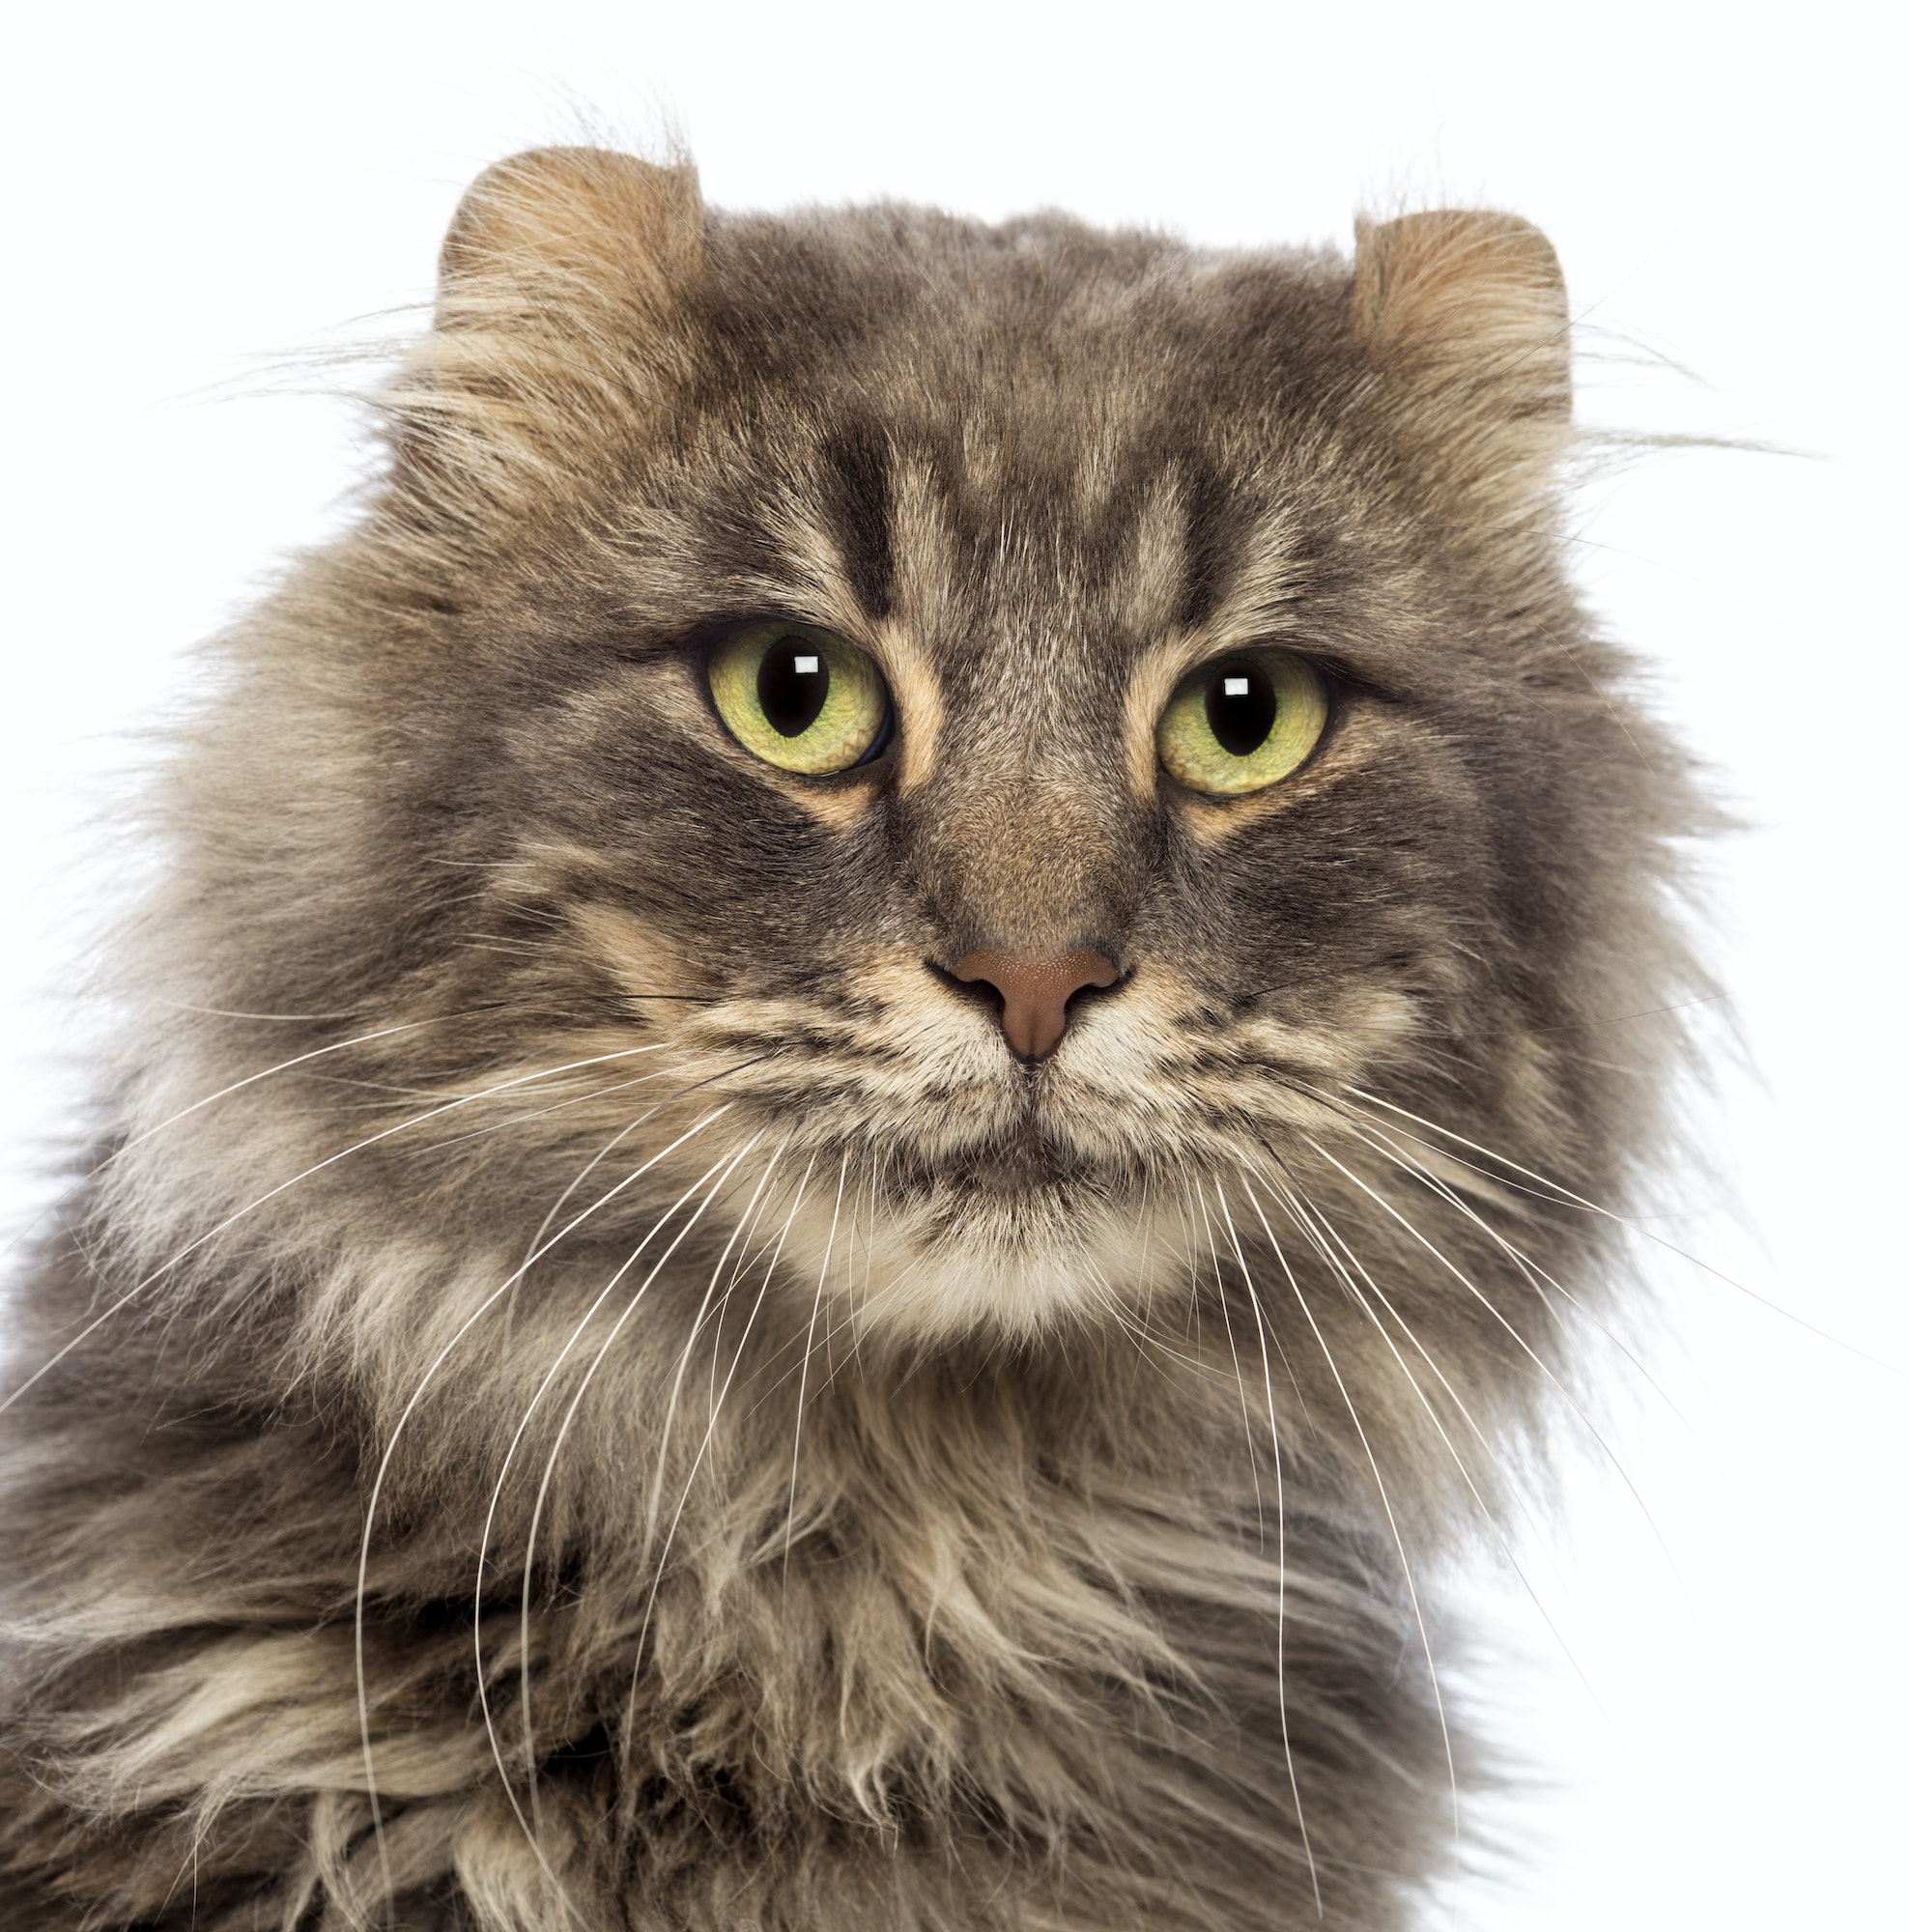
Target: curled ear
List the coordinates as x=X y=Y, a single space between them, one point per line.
x=1463 y=313
x=559 y=329
x=578 y=225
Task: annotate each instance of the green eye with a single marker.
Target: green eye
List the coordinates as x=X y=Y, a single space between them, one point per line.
x=800 y=698
x=1242 y=723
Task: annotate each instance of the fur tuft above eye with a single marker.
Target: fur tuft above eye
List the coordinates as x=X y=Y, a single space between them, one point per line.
x=798 y=698
x=1242 y=723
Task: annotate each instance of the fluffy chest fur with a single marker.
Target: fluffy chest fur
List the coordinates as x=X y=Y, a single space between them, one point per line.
x=704 y=1307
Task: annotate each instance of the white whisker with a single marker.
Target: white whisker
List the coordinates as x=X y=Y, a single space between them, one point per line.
x=532 y=1837
x=1380 y=1484
x=1280 y=1551
x=717 y=1398
x=738 y=1235
x=1562 y=1196
x=1432 y=1414
x=391 y=1450
x=266 y=1073
x=1227 y=1321
x=1545 y=1368
x=271 y=1194
x=802 y=1386
x=722 y=1170
x=1544 y=1284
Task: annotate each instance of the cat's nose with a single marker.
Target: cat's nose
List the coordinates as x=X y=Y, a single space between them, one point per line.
x=1036 y=989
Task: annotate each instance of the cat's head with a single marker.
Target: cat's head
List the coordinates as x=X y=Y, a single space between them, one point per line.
x=1046 y=750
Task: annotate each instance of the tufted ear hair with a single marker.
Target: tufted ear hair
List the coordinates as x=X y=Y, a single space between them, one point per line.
x=571 y=226
x=560 y=333
x=1463 y=313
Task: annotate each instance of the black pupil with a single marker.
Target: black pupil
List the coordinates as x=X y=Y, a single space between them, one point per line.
x=793 y=685
x=1240 y=708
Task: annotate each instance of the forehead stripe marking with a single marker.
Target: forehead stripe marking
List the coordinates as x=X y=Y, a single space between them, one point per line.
x=855 y=477
x=1212 y=519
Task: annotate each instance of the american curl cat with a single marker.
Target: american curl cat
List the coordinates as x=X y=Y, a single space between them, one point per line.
x=869 y=1095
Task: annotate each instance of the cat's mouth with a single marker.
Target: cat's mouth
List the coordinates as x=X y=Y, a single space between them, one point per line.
x=1028 y=1161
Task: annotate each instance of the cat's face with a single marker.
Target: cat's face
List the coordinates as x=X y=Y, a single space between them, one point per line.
x=1032 y=569
x=1005 y=978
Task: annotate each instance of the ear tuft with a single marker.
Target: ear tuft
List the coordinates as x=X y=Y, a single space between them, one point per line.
x=564 y=326
x=1465 y=313
x=577 y=222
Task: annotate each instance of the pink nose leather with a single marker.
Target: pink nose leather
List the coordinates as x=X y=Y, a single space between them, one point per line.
x=1036 y=989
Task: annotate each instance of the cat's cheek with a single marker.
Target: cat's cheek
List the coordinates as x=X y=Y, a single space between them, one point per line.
x=640 y=959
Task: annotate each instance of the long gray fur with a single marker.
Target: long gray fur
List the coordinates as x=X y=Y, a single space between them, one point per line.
x=578 y=1327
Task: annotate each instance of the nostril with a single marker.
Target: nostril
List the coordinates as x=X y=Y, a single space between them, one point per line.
x=1036 y=989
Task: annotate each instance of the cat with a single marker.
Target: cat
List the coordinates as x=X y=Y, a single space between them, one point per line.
x=868 y=1097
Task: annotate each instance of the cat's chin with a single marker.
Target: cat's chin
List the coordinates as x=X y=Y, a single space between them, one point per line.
x=1018 y=1261
x=1009 y=1244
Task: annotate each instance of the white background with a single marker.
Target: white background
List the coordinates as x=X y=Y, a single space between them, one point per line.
x=197 y=198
